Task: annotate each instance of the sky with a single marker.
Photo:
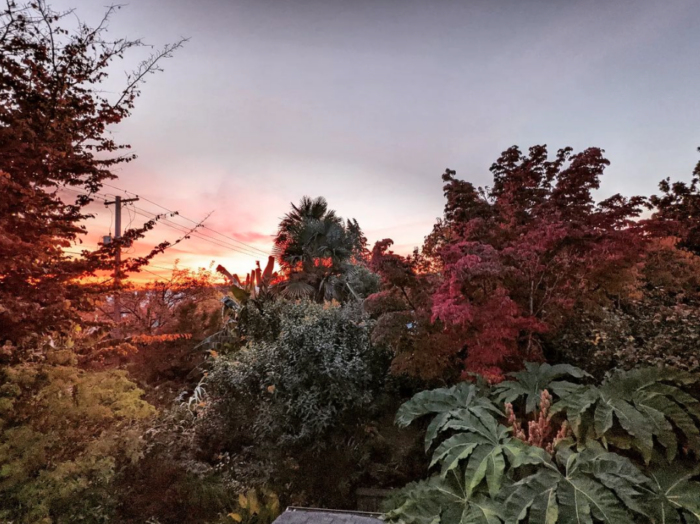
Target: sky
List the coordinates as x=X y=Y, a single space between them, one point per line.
x=366 y=102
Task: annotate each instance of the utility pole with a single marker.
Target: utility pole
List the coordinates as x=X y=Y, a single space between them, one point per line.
x=118 y=202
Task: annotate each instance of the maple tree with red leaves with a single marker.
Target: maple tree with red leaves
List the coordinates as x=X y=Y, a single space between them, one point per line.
x=519 y=257
x=510 y=263
x=54 y=137
x=677 y=212
x=403 y=312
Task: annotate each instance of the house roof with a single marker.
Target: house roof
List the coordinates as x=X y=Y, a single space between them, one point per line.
x=294 y=515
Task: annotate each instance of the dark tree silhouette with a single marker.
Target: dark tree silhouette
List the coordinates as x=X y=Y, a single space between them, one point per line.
x=315 y=248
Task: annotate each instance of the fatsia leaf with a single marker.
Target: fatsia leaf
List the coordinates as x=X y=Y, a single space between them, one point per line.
x=454 y=449
x=441 y=400
x=482 y=510
x=454 y=407
x=482 y=443
x=645 y=403
x=542 y=483
x=441 y=501
x=417 y=503
x=545 y=508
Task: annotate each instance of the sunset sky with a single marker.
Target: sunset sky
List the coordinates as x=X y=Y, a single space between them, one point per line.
x=367 y=103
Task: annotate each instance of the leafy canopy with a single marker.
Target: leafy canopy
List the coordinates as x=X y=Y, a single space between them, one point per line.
x=517 y=257
x=317 y=250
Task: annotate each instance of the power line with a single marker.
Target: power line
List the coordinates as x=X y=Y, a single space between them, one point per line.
x=151 y=272
x=190 y=220
x=179 y=227
x=182 y=228
x=149 y=265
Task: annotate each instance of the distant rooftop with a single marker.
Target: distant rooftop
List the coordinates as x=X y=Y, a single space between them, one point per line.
x=295 y=515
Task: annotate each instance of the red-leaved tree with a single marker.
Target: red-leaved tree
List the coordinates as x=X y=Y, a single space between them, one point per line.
x=54 y=120
x=519 y=257
x=403 y=312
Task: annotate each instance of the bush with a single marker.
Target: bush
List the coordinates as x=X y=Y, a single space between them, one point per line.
x=293 y=389
x=302 y=404
x=64 y=435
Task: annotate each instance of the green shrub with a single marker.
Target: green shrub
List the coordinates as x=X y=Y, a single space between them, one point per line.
x=309 y=379
x=64 y=433
x=621 y=452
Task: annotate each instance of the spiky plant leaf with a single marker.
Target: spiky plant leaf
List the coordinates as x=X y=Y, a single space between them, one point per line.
x=530 y=383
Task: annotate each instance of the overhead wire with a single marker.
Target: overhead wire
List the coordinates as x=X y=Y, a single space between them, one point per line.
x=253 y=252
x=180 y=227
x=230 y=238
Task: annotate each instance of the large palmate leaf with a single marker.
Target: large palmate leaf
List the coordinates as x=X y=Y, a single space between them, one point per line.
x=595 y=486
x=484 y=447
x=479 y=448
x=530 y=383
x=645 y=403
x=441 y=500
x=671 y=496
x=489 y=477
x=450 y=405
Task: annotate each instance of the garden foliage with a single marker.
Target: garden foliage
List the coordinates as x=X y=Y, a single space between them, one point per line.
x=64 y=436
x=615 y=446
x=295 y=387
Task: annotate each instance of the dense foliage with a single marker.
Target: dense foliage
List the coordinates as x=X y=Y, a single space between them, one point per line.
x=521 y=256
x=64 y=435
x=66 y=430
x=590 y=453
x=319 y=369
x=402 y=308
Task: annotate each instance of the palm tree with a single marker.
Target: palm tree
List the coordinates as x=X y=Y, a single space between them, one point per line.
x=315 y=248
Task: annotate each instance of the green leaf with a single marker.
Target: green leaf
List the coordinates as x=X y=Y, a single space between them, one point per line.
x=603 y=417
x=530 y=383
x=671 y=492
x=240 y=294
x=495 y=467
x=442 y=400
x=545 y=508
x=454 y=449
x=439 y=500
x=457 y=408
x=482 y=510
x=576 y=496
x=646 y=403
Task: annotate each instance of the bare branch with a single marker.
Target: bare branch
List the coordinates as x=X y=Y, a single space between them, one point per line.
x=148 y=66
